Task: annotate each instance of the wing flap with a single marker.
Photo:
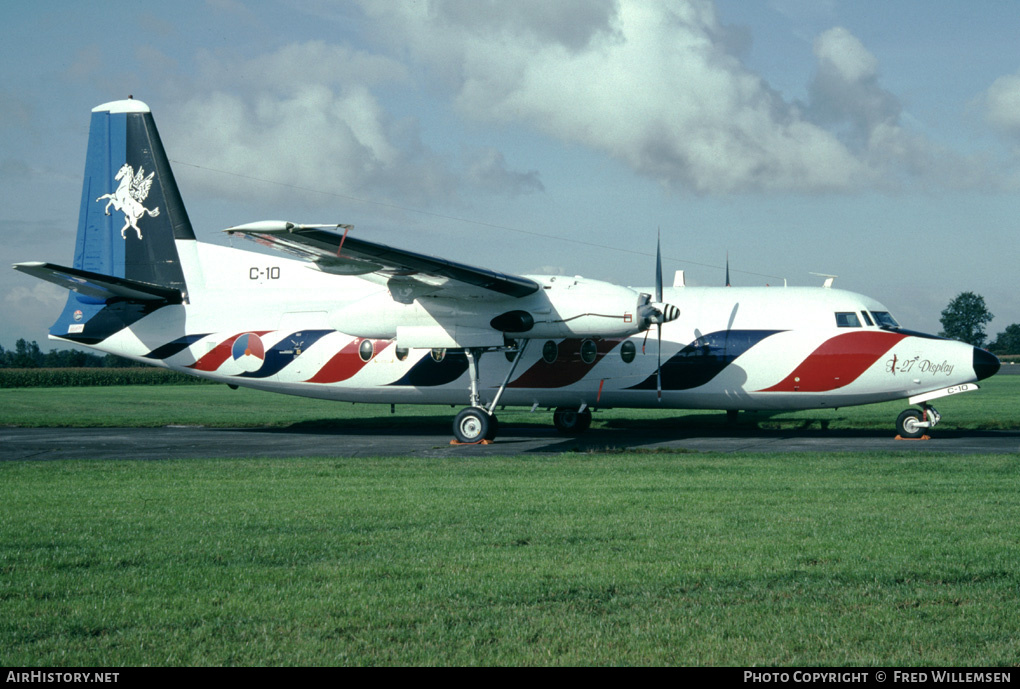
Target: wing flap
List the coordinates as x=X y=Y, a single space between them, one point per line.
x=336 y=252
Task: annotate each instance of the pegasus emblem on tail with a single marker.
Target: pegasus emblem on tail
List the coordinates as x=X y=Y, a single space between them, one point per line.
x=133 y=189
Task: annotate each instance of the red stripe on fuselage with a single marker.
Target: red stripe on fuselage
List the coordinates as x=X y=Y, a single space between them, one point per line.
x=568 y=368
x=839 y=361
x=345 y=363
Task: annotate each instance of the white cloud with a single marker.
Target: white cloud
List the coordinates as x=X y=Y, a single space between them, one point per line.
x=1002 y=104
x=651 y=84
x=488 y=171
x=305 y=116
x=657 y=86
x=840 y=50
x=572 y=24
x=40 y=295
x=28 y=309
x=845 y=93
x=660 y=87
x=297 y=65
x=317 y=139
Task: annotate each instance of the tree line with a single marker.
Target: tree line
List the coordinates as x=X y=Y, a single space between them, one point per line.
x=964 y=319
x=28 y=355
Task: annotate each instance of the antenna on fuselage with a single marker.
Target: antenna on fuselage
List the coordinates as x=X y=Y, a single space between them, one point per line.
x=828 y=279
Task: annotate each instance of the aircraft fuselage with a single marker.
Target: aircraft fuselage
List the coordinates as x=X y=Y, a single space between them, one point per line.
x=277 y=324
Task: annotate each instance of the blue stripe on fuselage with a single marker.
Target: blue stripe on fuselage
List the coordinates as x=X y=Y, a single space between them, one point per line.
x=704 y=359
x=431 y=373
x=285 y=351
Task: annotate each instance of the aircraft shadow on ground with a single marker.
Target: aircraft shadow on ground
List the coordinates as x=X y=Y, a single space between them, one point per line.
x=625 y=434
x=686 y=423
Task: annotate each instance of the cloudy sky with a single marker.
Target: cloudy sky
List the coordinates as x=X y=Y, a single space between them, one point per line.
x=876 y=141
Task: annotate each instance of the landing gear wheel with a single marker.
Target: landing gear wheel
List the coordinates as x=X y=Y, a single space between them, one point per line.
x=907 y=424
x=569 y=421
x=473 y=425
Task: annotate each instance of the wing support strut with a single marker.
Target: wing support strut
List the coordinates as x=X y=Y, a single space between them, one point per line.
x=474 y=357
x=509 y=375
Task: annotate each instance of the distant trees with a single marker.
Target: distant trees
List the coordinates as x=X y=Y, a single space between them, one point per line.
x=28 y=355
x=25 y=355
x=1008 y=341
x=964 y=319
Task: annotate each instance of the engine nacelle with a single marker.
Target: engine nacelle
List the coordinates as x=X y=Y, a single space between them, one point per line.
x=578 y=307
x=564 y=307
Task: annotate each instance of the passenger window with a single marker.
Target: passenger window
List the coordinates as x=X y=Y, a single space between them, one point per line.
x=550 y=350
x=847 y=319
x=867 y=318
x=627 y=351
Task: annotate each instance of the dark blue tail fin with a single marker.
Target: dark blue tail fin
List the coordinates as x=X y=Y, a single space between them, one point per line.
x=131 y=216
x=131 y=211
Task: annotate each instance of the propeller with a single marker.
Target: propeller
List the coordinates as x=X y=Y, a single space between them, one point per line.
x=658 y=312
x=662 y=313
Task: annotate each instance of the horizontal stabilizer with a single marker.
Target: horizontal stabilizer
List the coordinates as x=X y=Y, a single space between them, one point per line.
x=100 y=287
x=335 y=252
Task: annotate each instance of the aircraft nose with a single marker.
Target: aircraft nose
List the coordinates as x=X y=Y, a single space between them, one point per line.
x=986 y=364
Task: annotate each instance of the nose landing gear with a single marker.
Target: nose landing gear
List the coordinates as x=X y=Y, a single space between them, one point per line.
x=913 y=423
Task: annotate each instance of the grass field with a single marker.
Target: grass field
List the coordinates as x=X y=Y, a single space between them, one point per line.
x=653 y=559
x=996 y=406
x=643 y=559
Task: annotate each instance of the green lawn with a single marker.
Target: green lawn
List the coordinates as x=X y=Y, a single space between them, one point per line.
x=692 y=559
x=576 y=559
x=996 y=406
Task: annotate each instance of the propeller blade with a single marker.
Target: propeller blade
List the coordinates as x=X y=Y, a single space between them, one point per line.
x=658 y=268
x=658 y=369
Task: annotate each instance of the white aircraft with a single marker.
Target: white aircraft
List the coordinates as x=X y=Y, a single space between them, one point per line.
x=347 y=319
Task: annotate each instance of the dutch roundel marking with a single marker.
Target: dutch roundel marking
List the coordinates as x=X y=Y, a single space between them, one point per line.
x=249 y=352
x=219 y=354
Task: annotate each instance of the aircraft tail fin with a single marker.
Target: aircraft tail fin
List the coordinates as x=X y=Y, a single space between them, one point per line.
x=131 y=225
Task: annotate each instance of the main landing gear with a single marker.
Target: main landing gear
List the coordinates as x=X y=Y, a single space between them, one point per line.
x=475 y=424
x=570 y=421
x=478 y=423
x=913 y=423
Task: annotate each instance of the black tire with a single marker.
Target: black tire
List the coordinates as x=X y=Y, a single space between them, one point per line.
x=569 y=421
x=472 y=425
x=493 y=427
x=906 y=423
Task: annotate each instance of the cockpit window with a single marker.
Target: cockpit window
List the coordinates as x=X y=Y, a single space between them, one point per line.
x=885 y=319
x=867 y=318
x=847 y=319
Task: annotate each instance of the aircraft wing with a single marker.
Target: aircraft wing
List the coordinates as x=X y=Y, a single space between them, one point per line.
x=335 y=252
x=97 y=286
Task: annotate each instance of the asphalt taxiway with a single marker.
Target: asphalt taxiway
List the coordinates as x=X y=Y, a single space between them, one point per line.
x=428 y=441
